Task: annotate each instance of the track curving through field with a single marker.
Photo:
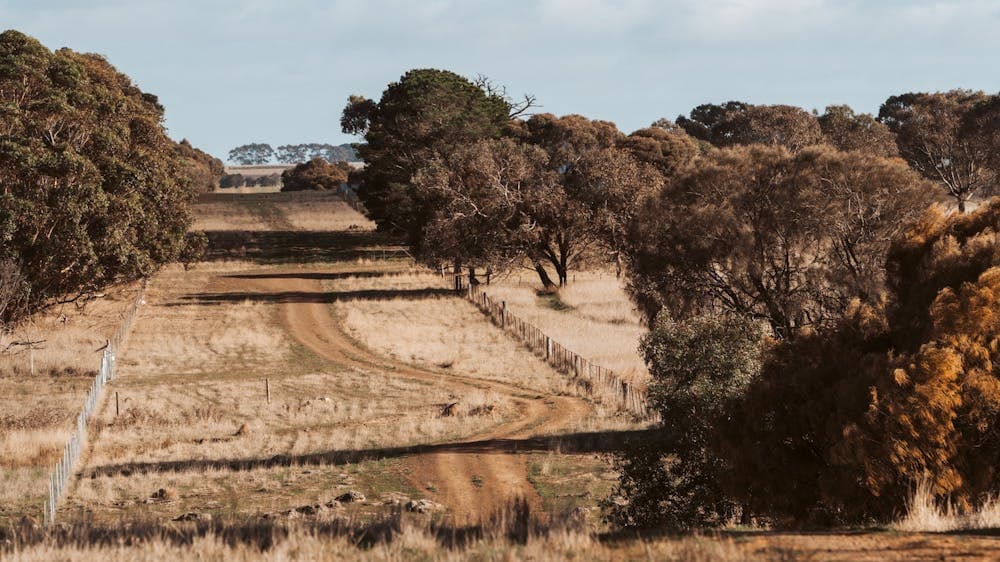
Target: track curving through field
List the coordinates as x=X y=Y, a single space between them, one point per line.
x=470 y=484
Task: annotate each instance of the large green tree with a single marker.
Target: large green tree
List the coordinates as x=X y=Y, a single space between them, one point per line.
x=92 y=190
x=428 y=114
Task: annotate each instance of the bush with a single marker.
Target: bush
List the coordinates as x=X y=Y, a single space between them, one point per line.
x=698 y=367
x=316 y=174
x=195 y=248
x=841 y=423
x=232 y=180
x=269 y=180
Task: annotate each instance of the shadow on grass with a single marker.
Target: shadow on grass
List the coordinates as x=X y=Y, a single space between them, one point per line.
x=292 y=246
x=511 y=523
x=589 y=442
x=282 y=297
x=317 y=275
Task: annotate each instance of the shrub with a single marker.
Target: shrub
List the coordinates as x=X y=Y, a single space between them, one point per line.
x=842 y=422
x=232 y=180
x=315 y=174
x=698 y=366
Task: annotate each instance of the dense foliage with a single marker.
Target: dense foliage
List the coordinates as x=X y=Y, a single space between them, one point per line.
x=788 y=238
x=426 y=115
x=699 y=367
x=316 y=174
x=203 y=170
x=948 y=137
x=92 y=191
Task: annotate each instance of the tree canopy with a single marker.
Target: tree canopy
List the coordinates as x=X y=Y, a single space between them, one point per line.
x=426 y=115
x=92 y=191
x=299 y=153
x=253 y=154
x=846 y=130
x=204 y=171
x=937 y=134
x=788 y=238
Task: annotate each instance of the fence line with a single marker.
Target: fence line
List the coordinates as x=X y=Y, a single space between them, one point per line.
x=594 y=377
x=63 y=470
x=350 y=196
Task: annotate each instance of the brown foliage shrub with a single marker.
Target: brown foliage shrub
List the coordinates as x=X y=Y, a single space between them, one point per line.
x=844 y=423
x=315 y=174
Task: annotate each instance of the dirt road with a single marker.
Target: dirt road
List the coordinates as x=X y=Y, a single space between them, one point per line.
x=470 y=484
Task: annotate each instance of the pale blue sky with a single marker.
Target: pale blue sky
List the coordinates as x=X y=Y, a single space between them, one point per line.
x=280 y=71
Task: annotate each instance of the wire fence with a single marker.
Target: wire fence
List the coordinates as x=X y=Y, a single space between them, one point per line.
x=350 y=196
x=64 y=469
x=598 y=380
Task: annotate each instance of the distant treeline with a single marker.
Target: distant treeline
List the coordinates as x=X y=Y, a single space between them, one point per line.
x=256 y=154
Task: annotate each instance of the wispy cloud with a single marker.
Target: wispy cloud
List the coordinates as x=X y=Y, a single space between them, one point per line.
x=290 y=64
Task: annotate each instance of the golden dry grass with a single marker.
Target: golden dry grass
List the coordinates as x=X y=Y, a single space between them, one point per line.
x=412 y=543
x=925 y=513
x=38 y=410
x=265 y=211
x=194 y=375
x=443 y=332
x=411 y=539
x=592 y=316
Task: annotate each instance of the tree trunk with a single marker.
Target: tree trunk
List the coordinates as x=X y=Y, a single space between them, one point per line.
x=562 y=270
x=961 y=205
x=563 y=266
x=472 y=277
x=550 y=287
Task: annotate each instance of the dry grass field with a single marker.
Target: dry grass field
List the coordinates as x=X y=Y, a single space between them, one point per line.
x=592 y=316
x=311 y=394
x=264 y=209
x=42 y=390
